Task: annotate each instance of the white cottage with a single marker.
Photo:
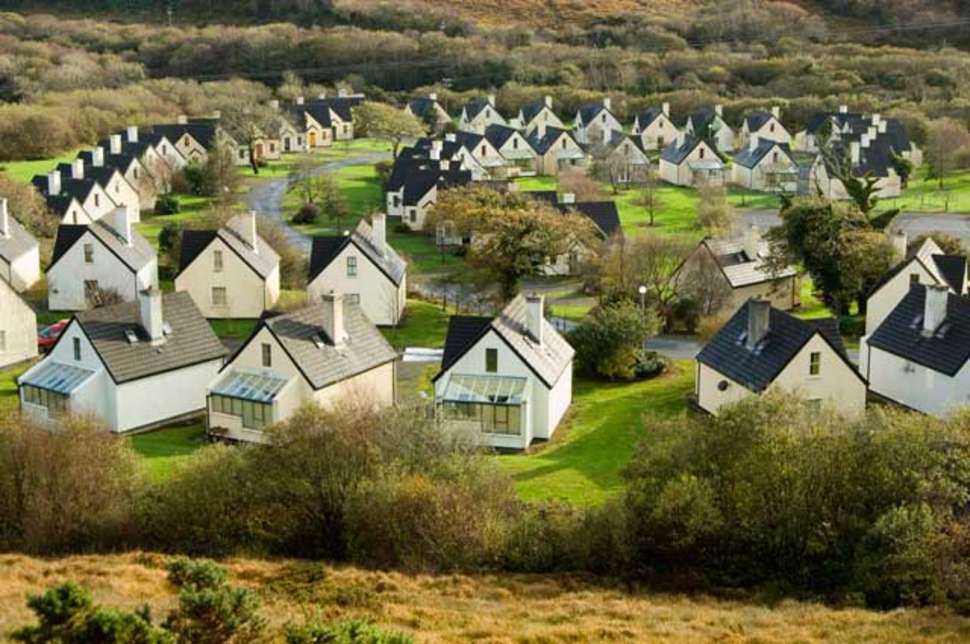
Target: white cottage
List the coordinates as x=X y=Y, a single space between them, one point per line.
x=135 y=366
x=506 y=380
x=655 y=129
x=762 y=348
x=72 y=197
x=18 y=327
x=709 y=124
x=327 y=354
x=514 y=148
x=479 y=114
x=596 y=123
x=538 y=113
x=765 y=165
x=107 y=256
x=19 y=252
x=364 y=267
x=429 y=110
x=231 y=272
x=691 y=162
x=766 y=126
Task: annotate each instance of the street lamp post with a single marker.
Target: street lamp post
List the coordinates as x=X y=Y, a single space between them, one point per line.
x=643 y=300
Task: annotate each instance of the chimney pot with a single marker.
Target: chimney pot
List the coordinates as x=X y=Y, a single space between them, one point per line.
x=77 y=169
x=132 y=132
x=150 y=314
x=333 y=317
x=776 y=112
x=935 y=308
x=534 y=318
x=378 y=224
x=4 y=218
x=54 y=183
x=665 y=108
x=182 y=119
x=759 y=322
x=115 y=143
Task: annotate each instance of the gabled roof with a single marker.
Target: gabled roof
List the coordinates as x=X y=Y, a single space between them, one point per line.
x=901 y=333
x=476 y=106
x=325 y=249
x=202 y=130
x=135 y=257
x=748 y=158
x=602 y=213
x=191 y=341
x=469 y=140
x=70 y=189
x=532 y=110
x=302 y=337
x=728 y=353
x=262 y=259
x=588 y=113
x=757 y=120
x=120 y=162
x=498 y=135
x=18 y=241
x=547 y=360
x=702 y=118
x=738 y=268
x=423 y=106
x=647 y=118
x=544 y=143
x=953 y=268
x=676 y=154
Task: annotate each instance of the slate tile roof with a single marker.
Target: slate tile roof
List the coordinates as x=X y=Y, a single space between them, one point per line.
x=740 y=269
x=135 y=257
x=18 y=241
x=325 y=249
x=749 y=158
x=191 y=341
x=263 y=259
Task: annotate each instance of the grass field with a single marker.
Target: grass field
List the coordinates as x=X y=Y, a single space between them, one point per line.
x=424 y=325
x=24 y=171
x=163 y=450
x=193 y=208
x=494 y=608
x=925 y=195
x=582 y=463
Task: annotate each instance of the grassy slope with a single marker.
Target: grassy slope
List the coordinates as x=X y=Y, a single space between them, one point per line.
x=424 y=325
x=24 y=171
x=488 y=607
x=163 y=450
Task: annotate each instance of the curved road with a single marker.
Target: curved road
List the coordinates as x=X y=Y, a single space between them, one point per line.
x=266 y=197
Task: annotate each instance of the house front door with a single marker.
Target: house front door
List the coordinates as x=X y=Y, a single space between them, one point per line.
x=313 y=139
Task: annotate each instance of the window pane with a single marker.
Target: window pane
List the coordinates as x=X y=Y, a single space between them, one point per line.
x=491 y=360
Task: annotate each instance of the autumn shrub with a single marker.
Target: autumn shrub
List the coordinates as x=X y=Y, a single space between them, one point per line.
x=167 y=204
x=70 y=488
x=293 y=263
x=307 y=214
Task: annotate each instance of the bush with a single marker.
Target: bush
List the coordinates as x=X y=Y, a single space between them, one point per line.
x=170 y=242
x=307 y=214
x=650 y=364
x=383 y=170
x=167 y=205
x=194 y=177
x=401 y=228
x=347 y=632
x=609 y=342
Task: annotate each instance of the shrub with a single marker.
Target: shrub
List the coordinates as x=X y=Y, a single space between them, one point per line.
x=170 y=242
x=195 y=177
x=346 y=632
x=383 y=170
x=293 y=263
x=167 y=205
x=609 y=342
x=650 y=364
x=307 y=214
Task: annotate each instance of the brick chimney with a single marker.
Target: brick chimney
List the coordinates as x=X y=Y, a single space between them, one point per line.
x=934 y=309
x=533 y=315
x=114 y=143
x=759 y=322
x=378 y=223
x=150 y=314
x=4 y=218
x=333 y=317
x=54 y=183
x=132 y=132
x=77 y=169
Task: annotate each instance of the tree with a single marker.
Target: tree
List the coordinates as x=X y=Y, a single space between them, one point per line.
x=513 y=236
x=220 y=179
x=946 y=145
x=949 y=244
x=649 y=198
x=609 y=342
x=248 y=124
x=702 y=283
x=715 y=216
x=579 y=184
x=382 y=121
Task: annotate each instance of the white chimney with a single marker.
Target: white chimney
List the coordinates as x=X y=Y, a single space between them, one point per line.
x=854 y=152
x=547 y=101
x=436 y=147
x=607 y=103
x=719 y=110
x=343 y=92
x=491 y=99
x=150 y=314
x=876 y=120
x=882 y=127
x=333 y=317
x=776 y=112
x=533 y=315
x=872 y=132
x=54 y=183
x=322 y=96
x=899 y=242
x=378 y=224
x=121 y=220
x=299 y=100
x=4 y=218
x=864 y=140
x=433 y=96
x=541 y=129
x=567 y=198
x=182 y=119
x=274 y=105
x=97 y=157
x=217 y=114
x=759 y=322
x=843 y=109
x=132 y=132
x=751 y=242
x=114 y=142
x=753 y=142
x=934 y=311
x=665 y=108
x=77 y=169
x=451 y=137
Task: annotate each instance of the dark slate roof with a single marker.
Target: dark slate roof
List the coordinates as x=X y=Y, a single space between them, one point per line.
x=542 y=144
x=67 y=235
x=422 y=105
x=588 y=113
x=325 y=249
x=301 y=335
x=757 y=120
x=676 y=154
x=193 y=243
x=953 y=268
x=901 y=333
x=192 y=340
x=728 y=354
x=548 y=196
x=70 y=188
x=469 y=140
x=547 y=360
x=17 y=243
x=498 y=134
x=476 y=106
x=202 y=130
x=701 y=118
x=602 y=213
x=652 y=114
x=463 y=332
x=135 y=257
x=531 y=110
x=748 y=158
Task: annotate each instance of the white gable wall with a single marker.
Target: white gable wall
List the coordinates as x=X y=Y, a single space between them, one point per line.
x=884 y=300
x=247 y=294
x=914 y=385
x=65 y=279
x=24 y=271
x=659 y=134
x=381 y=300
x=123 y=194
x=18 y=325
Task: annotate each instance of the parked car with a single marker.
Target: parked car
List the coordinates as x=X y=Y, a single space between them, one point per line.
x=47 y=335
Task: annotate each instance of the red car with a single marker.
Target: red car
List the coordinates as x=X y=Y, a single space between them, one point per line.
x=48 y=335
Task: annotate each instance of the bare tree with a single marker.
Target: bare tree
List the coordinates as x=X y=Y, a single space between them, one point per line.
x=715 y=216
x=946 y=147
x=702 y=281
x=249 y=124
x=649 y=185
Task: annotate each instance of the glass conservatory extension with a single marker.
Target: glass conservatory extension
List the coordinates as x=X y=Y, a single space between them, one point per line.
x=486 y=404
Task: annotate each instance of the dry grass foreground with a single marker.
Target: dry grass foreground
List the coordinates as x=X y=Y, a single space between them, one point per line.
x=484 y=608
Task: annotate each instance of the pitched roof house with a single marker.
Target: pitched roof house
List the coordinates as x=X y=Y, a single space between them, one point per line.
x=327 y=354
x=918 y=355
x=230 y=272
x=19 y=252
x=596 y=123
x=514 y=148
x=762 y=348
x=478 y=114
x=448 y=153
x=624 y=157
x=72 y=197
x=765 y=165
x=113 y=362
x=364 y=267
x=506 y=380
x=429 y=110
x=555 y=149
x=765 y=125
x=413 y=187
x=535 y=114
x=709 y=123
x=655 y=129
x=482 y=151
x=111 y=180
x=98 y=161
x=18 y=327
x=740 y=266
x=106 y=256
x=691 y=162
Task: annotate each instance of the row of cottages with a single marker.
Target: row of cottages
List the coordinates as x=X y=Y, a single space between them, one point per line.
x=507 y=380
x=740 y=267
x=316 y=122
x=415 y=180
x=364 y=268
x=762 y=348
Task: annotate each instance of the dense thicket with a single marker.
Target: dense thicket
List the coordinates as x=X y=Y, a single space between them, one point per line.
x=771 y=492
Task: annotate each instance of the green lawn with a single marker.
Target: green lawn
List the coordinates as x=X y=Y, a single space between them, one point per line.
x=233 y=328
x=24 y=171
x=582 y=463
x=193 y=208
x=925 y=195
x=8 y=389
x=162 y=450
x=424 y=325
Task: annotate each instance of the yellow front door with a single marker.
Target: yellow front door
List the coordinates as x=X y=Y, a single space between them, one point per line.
x=313 y=139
